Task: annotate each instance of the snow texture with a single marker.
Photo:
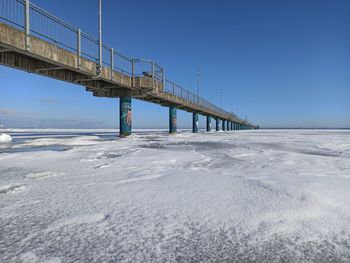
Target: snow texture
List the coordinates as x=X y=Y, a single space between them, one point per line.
x=239 y=196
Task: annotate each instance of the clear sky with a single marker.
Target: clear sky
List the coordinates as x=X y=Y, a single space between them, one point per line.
x=278 y=63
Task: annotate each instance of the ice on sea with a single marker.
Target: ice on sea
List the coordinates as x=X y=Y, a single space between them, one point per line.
x=5 y=138
x=247 y=196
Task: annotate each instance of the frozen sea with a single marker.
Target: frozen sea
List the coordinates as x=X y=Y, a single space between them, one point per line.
x=239 y=196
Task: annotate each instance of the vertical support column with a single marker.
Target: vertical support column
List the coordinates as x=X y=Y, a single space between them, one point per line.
x=223 y=125
x=125 y=119
x=27 y=25
x=228 y=125
x=172 y=120
x=208 y=123
x=231 y=125
x=217 y=126
x=195 y=122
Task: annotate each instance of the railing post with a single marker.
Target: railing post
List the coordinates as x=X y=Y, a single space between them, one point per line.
x=133 y=71
x=112 y=62
x=27 y=25
x=173 y=88
x=163 y=79
x=152 y=73
x=78 y=48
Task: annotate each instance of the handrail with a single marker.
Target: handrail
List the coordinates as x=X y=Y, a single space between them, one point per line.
x=83 y=49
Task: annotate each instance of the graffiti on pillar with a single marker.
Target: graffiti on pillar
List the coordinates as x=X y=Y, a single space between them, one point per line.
x=128 y=119
x=173 y=120
x=126 y=114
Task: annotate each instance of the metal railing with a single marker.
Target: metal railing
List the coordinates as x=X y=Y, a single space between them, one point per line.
x=40 y=23
x=173 y=88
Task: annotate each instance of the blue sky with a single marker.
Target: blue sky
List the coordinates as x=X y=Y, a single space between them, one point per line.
x=278 y=63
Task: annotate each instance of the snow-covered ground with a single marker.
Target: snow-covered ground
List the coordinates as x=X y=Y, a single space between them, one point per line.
x=246 y=196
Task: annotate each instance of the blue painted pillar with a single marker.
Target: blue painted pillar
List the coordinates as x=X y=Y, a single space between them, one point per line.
x=172 y=119
x=195 y=122
x=208 y=123
x=223 y=125
x=228 y=125
x=231 y=125
x=125 y=119
x=217 y=126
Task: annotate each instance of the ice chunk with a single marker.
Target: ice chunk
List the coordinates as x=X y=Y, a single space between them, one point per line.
x=5 y=138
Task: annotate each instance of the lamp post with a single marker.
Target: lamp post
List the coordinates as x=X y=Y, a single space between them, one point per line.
x=197 y=84
x=99 y=64
x=221 y=100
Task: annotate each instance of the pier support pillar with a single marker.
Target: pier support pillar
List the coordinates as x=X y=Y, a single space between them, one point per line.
x=208 y=123
x=223 y=125
x=217 y=126
x=125 y=120
x=172 y=119
x=195 y=122
x=228 y=125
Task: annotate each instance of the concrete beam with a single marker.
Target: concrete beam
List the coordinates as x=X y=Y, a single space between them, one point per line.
x=49 y=59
